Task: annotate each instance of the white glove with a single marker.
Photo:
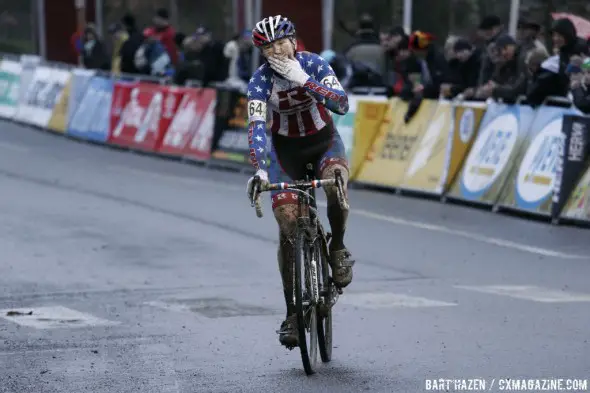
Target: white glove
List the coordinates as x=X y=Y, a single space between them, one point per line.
x=289 y=69
x=263 y=179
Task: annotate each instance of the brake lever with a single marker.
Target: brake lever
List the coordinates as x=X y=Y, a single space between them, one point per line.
x=256 y=192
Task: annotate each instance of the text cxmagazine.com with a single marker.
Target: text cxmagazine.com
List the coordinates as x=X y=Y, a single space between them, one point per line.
x=507 y=384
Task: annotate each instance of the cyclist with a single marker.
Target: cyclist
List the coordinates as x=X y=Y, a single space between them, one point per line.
x=298 y=89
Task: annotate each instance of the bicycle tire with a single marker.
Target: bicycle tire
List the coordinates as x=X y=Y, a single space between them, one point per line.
x=302 y=269
x=324 y=324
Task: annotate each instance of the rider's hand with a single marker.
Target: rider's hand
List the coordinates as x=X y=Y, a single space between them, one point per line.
x=289 y=69
x=252 y=184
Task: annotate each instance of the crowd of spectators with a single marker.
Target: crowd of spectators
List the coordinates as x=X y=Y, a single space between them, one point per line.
x=412 y=66
x=498 y=66
x=158 y=50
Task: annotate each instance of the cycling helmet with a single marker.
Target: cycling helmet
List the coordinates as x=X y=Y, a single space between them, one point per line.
x=272 y=29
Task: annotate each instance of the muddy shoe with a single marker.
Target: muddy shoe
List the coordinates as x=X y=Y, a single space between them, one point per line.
x=341 y=263
x=288 y=334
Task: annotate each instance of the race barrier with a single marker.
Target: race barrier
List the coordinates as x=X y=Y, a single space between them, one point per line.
x=505 y=156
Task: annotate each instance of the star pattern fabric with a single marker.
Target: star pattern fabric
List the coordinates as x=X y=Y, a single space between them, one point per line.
x=295 y=111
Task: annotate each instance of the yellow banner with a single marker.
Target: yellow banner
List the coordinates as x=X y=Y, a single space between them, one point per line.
x=429 y=164
x=578 y=205
x=369 y=117
x=59 y=116
x=467 y=119
x=396 y=144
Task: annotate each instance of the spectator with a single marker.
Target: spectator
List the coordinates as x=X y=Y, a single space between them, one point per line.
x=489 y=29
x=454 y=67
x=543 y=77
x=510 y=77
x=94 y=55
x=210 y=53
x=527 y=37
x=239 y=53
x=391 y=40
x=407 y=70
x=119 y=36
x=566 y=44
x=580 y=86
x=178 y=40
x=433 y=65
x=192 y=67
x=130 y=46
x=366 y=48
x=469 y=59
x=342 y=67
x=165 y=33
x=152 y=58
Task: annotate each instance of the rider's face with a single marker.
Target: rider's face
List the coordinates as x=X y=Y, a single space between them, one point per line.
x=280 y=48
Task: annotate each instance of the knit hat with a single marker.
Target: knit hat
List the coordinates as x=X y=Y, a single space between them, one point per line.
x=420 y=40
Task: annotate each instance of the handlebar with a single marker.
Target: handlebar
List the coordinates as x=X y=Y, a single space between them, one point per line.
x=299 y=185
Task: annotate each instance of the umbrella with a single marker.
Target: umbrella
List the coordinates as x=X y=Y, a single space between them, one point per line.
x=582 y=25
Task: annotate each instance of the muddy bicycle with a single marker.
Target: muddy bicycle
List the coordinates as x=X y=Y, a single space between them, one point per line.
x=314 y=292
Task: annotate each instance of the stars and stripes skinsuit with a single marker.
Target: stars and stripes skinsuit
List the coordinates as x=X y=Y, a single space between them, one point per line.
x=300 y=123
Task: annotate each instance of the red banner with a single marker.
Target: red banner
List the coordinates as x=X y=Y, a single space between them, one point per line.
x=189 y=115
x=145 y=116
x=121 y=95
x=199 y=147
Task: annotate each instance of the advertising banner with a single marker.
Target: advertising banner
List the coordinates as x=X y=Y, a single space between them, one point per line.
x=59 y=116
x=467 y=121
x=578 y=204
x=345 y=123
x=230 y=139
x=140 y=125
x=571 y=163
x=429 y=164
x=79 y=83
x=367 y=122
x=397 y=143
x=42 y=95
x=91 y=121
x=199 y=146
x=29 y=64
x=10 y=72
x=492 y=156
x=529 y=186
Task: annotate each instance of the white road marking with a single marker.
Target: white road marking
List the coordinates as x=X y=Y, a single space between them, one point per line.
x=14 y=147
x=379 y=217
x=469 y=235
x=379 y=300
x=529 y=292
x=53 y=317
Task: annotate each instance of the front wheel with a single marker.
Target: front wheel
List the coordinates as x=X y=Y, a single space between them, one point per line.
x=306 y=295
x=327 y=294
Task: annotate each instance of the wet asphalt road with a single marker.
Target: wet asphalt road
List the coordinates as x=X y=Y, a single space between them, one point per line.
x=146 y=275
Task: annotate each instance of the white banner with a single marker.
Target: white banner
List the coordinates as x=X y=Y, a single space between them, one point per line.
x=42 y=95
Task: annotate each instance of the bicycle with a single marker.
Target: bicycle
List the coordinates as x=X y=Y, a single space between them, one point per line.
x=314 y=298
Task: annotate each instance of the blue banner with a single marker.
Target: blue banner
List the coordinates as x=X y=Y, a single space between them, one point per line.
x=91 y=120
x=80 y=80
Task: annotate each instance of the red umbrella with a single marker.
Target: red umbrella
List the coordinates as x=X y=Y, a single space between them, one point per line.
x=582 y=25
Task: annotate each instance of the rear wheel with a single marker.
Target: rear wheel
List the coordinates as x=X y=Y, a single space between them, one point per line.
x=304 y=301
x=324 y=324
